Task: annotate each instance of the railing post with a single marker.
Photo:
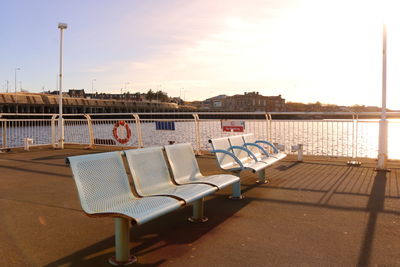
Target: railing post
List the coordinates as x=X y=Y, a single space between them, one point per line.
x=90 y=129
x=356 y=122
x=138 y=129
x=300 y=153
x=354 y=153
x=268 y=117
x=4 y=130
x=53 y=131
x=197 y=133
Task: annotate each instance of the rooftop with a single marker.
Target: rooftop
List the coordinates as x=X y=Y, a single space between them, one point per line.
x=320 y=212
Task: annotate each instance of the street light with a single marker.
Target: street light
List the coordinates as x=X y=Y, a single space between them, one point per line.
x=125 y=90
x=15 y=84
x=383 y=123
x=62 y=27
x=92 y=86
x=125 y=86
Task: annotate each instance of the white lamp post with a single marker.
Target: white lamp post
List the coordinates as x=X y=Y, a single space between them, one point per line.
x=15 y=76
x=125 y=90
x=92 y=86
x=62 y=27
x=15 y=84
x=383 y=123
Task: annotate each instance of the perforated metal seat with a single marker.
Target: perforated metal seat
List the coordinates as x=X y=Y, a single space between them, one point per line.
x=151 y=176
x=104 y=189
x=185 y=169
x=259 y=149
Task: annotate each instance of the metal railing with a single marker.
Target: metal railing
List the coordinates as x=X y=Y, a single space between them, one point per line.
x=324 y=134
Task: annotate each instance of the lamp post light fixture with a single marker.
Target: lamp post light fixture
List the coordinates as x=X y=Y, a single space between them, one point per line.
x=62 y=27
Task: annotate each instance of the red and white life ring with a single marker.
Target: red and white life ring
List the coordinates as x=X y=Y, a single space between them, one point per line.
x=127 y=129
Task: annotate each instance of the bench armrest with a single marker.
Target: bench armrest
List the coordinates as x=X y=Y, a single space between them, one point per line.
x=244 y=149
x=229 y=154
x=265 y=152
x=268 y=143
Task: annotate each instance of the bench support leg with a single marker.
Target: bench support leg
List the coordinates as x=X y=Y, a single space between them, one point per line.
x=261 y=177
x=236 y=190
x=198 y=212
x=122 y=256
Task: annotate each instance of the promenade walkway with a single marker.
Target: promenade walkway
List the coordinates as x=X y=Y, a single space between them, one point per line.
x=315 y=213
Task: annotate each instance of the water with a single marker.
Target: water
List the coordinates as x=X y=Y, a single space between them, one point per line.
x=323 y=137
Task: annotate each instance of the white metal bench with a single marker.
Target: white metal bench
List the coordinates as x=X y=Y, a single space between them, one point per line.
x=236 y=158
x=104 y=190
x=151 y=178
x=185 y=169
x=237 y=145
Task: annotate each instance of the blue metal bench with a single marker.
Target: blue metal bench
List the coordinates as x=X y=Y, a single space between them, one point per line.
x=104 y=190
x=185 y=169
x=151 y=178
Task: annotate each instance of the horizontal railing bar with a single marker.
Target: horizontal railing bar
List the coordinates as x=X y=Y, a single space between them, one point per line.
x=205 y=113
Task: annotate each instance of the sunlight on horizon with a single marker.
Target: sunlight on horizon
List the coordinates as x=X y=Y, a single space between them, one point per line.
x=300 y=52
x=305 y=50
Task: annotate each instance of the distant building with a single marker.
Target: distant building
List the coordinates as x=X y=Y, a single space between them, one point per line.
x=251 y=101
x=76 y=93
x=214 y=103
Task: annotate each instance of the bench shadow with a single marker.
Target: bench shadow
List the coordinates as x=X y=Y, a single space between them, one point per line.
x=283 y=167
x=168 y=231
x=172 y=233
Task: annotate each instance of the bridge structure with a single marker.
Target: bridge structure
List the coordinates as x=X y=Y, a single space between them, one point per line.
x=46 y=103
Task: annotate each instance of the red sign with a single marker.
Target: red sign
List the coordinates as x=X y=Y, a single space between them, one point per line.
x=232 y=126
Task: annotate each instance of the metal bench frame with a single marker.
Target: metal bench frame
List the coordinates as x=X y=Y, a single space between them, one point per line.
x=149 y=168
x=185 y=170
x=237 y=144
x=103 y=177
x=256 y=143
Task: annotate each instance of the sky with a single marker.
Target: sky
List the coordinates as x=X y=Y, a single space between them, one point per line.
x=304 y=50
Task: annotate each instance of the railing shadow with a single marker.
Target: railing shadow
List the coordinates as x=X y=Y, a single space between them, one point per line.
x=330 y=181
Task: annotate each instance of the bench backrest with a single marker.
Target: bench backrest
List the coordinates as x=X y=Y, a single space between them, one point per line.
x=101 y=181
x=249 y=138
x=238 y=141
x=224 y=161
x=149 y=170
x=183 y=162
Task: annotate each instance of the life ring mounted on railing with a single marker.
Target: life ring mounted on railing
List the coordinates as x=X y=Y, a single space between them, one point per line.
x=117 y=131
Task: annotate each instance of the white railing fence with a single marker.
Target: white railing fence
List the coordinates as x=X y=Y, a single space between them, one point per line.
x=322 y=134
